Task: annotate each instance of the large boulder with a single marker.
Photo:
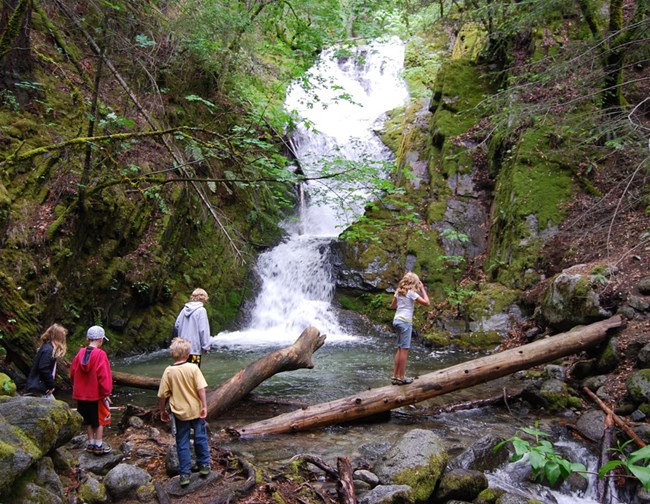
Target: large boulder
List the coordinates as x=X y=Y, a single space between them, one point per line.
x=48 y=423
x=571 y=299
x=30 y=427
x=417 y=460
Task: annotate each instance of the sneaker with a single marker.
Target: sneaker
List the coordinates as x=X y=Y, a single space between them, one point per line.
x=184 y=480
x=90 y=448
x=204 y=470
x=406 y=381
x=102 y=449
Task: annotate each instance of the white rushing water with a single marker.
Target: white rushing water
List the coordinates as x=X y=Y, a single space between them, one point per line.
x=339 y=109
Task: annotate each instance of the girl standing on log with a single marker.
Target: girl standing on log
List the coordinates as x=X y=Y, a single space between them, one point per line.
x=40 y=381
x=410 y=290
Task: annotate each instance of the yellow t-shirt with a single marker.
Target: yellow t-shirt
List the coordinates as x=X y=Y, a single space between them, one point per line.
x=181 y=384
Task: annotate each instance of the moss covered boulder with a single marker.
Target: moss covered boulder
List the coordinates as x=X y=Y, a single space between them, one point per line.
x=417 y=460
x=7 y=385
x=570 y=300
x=638 y=386
x=47 y=423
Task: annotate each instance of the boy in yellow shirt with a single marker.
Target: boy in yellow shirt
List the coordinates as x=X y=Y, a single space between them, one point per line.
x=184 y=386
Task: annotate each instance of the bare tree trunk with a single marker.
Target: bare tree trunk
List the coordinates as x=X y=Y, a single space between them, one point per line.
x=297 y=356
x=345 y=484
x=374 y=401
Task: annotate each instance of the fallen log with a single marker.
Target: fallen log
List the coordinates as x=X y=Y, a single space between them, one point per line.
x=378 y=400
x=297 y=356
x=136 y=381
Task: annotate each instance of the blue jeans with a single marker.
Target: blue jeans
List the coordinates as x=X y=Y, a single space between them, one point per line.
x=183 y=428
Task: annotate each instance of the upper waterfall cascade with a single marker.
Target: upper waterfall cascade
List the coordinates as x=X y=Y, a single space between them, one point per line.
x=339 y=109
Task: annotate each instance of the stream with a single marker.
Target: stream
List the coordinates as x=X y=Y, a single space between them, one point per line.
x=342 y=108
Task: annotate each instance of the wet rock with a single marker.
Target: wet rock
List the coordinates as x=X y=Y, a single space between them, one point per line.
x=124 y=479
x=460 y=484
x=577 y=483
x=388 y=494
x=480 y=455
x=591 y=424
x=417 y=460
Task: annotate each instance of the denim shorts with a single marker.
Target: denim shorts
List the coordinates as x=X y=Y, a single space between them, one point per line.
x=404 y=330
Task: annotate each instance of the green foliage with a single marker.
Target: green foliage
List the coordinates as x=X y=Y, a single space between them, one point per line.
x=544 y=462
x=636 y=463
x=456 y=296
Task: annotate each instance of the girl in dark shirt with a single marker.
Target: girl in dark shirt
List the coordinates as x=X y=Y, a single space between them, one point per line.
x=41 y=381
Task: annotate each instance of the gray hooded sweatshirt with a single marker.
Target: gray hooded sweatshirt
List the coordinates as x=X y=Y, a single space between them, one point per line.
x=192 y=325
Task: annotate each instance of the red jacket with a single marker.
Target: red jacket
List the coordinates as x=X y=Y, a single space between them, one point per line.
x=90 y=373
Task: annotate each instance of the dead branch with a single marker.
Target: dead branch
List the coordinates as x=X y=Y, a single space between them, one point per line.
x=619 y=421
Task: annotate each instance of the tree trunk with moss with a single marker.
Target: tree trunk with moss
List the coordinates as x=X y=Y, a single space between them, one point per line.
x=379 y=400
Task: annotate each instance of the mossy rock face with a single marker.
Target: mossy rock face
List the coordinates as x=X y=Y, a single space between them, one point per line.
x=530 y=196
x=7 y=385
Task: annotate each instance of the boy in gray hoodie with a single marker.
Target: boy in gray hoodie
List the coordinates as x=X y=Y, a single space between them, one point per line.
x=192 y=325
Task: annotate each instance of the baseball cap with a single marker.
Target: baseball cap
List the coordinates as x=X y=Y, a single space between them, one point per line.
x=96 y=332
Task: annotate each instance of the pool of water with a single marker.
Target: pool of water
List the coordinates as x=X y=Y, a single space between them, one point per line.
x=341 y=368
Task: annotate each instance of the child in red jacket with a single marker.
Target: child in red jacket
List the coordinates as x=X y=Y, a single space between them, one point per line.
x=92 y=382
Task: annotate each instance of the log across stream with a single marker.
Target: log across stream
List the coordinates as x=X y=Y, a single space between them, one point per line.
x=377 y=400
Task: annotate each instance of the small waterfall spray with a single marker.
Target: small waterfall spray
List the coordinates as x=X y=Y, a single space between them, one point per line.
x=340 y=110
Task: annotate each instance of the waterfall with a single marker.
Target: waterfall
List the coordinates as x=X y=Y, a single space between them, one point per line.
x=340 y=105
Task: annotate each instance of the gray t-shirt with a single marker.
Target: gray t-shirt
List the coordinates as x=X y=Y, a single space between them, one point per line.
x=405 y=306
